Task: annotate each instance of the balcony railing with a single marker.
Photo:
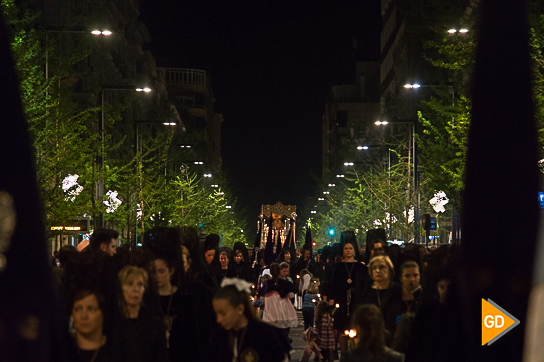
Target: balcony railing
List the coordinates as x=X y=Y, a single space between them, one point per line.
x=184 y=76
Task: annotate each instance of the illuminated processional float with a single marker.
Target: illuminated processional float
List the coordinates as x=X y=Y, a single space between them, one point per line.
x=279 y=219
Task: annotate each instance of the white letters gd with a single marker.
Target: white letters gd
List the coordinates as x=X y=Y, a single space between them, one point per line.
x=496 y=321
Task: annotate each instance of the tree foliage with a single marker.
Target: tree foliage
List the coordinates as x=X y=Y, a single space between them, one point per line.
x=67 y=140
x=60 y=127
x=536 y=42
x=372 y=195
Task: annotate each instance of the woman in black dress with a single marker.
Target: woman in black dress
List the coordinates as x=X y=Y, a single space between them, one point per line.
x=178 y=309
x=140 y=335
x=241 y=269
x=382 y=291
x=184 y=303
x=345 y=276
x=224 y=270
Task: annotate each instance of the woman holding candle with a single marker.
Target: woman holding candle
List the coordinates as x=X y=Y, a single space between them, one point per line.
x=369 y=337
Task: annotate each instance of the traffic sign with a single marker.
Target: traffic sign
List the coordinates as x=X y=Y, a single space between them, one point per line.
x=434 y=224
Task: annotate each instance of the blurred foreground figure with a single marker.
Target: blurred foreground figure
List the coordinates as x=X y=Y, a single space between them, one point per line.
x=370 y=339
x=32 y=327
x=88 y=316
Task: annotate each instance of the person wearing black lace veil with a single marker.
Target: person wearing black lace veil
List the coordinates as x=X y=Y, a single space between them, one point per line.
x=178 y=303
x=241 y=269
x=211 y=258
x=345 y=276
x=200 y=283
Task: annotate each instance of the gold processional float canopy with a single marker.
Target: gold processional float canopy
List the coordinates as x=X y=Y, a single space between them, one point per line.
x=279 y=213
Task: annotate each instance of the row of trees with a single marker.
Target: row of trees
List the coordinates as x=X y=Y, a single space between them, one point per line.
x=374 y=193
x=144 y=187
x=378 y=195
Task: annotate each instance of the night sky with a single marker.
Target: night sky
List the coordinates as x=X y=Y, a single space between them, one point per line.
x=272 y=64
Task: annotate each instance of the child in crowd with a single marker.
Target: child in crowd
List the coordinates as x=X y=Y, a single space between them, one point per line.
x=308 y=306
x=310 y=336
x=258 y=303
x=325 y=331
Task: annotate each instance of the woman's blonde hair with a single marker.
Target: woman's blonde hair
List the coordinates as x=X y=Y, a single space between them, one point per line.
x=313 y=288
x=387 y=261
x=132 y=269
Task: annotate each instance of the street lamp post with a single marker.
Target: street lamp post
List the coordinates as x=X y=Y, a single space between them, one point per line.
x=137 y=153
x=99 y=221
x=461 y=31
x=367 y=147
x=414 y=163
x=99 y=189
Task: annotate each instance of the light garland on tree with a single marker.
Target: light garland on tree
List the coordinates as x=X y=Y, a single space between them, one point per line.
x=439 y=201
x=71 y=187
x=113 y=202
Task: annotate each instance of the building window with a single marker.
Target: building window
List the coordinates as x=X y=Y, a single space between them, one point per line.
x=342 y=118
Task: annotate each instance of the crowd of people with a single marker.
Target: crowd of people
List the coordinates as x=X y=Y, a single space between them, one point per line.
x=378 y=302
x=177 y=298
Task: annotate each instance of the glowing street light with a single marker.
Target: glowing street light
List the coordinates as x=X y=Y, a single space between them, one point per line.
x=412 y=86
x=461 y=31
x=101 y=32
x=145 y=89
